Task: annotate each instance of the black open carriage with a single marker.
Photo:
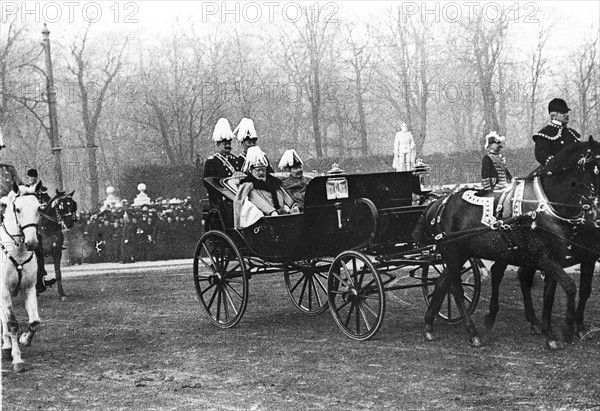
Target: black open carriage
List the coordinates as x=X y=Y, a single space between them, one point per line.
x=352 y=243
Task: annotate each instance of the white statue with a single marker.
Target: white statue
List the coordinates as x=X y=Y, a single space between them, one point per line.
x=112 y=200
x=405 y=150
x=142 y=198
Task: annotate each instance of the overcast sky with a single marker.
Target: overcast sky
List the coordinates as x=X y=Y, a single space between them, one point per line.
x=155 y=18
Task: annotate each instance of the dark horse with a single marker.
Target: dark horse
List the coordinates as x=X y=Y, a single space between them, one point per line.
x=539 y=236
x=60 y=213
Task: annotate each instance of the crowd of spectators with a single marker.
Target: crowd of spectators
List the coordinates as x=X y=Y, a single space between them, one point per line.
x=162 y=230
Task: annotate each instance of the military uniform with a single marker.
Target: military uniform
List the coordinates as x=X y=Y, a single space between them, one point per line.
x=494 y=173
x=219 y=165
x=551 y=139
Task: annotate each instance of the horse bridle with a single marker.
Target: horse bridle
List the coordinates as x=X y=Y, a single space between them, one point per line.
x=60 y=218
x=18 y=266
x=21 y=227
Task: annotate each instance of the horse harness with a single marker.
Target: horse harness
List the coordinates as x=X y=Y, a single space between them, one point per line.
x=18 y=266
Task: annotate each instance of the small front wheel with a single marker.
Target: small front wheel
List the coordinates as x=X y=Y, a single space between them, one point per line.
x=220 y=279
x=306 y=284
x=356 y=295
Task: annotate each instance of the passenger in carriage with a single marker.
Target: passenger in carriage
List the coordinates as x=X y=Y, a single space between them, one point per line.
x=246 y=135
x=223 y=163
x=260 y=194
x=556 y=135
x=494 y=173
x=295 y=184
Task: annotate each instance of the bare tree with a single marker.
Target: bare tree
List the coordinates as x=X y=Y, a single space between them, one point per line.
x=182 y=95
x=316 y=35
x=93 y=94
x=487 y=41
x=537 y=68
x=359 y=60
x=586 y=82
x=406 y=73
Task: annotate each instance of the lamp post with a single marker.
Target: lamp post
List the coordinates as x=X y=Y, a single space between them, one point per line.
x=51 y=93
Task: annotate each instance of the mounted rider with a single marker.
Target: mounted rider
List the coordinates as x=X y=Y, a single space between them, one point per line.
x=44 y=198
x=556 y=135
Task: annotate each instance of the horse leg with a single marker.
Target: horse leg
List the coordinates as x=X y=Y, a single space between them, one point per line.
x=557 y=273
x=439 y=291
x=497 y=270
x=459 y=297
x=57 y=256
x=585 y=289
x=31 y=305
x=549 y=294
x=10 y=328
x=526 y=276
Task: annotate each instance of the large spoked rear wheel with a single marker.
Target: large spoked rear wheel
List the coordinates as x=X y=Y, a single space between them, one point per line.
x=471 y=282
x=356 y=295
x=306 y=284
x=220 y=279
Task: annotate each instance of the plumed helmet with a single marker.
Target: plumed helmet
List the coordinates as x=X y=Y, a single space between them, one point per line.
x=289 y=159
x=558 y=105
x=245 y=130
x=255 y=157
x=222 y=131
x=493 y=137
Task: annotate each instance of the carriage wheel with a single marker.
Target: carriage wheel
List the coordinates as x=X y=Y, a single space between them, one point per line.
x=356 y=295
x=220 y=279
x=306 y=284
x=471 y=282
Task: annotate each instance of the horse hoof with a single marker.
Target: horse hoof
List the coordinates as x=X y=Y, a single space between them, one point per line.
x=6 y=354
x=477 y=342
x=19 y=367
x=554 y=345
x=429 y=336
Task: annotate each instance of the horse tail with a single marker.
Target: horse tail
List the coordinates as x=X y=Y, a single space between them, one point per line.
x=422 y=230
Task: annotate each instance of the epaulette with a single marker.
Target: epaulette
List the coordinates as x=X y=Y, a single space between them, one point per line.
x=211 y=157
x=550 y=132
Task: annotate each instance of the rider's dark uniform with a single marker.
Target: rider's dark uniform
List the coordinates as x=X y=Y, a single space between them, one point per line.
x=551 y=139
x=44 y=198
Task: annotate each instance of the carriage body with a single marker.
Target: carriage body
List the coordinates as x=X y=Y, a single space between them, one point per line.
x=352 y=225
x=377 y=211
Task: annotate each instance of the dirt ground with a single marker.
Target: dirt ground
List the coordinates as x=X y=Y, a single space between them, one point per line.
x=139 y=340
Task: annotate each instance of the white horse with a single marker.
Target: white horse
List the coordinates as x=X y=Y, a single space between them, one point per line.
x=18 y=268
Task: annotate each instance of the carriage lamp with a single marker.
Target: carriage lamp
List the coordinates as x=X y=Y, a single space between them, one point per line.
x=422 y=171
x=337 y=188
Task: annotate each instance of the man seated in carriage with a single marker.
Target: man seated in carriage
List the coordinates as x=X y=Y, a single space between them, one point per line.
x=44 y=199
x=295 y=184
x=494 y=173
x=260 y=194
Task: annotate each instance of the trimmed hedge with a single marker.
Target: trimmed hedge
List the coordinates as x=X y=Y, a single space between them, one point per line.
x=186 y=180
